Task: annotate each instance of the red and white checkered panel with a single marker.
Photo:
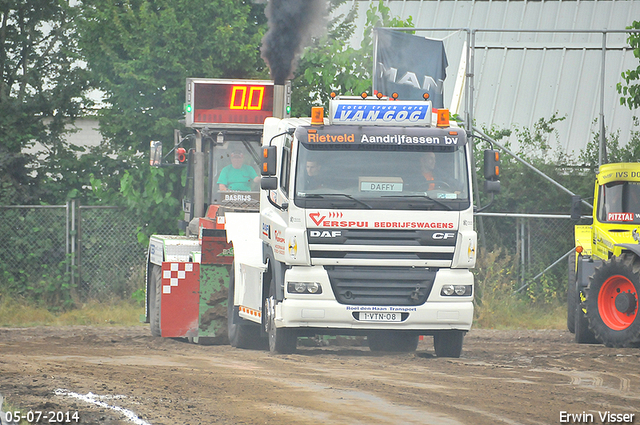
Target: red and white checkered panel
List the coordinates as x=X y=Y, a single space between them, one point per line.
x=180 y=300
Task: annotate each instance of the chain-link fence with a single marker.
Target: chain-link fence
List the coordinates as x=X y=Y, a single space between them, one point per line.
x=93 y=252
x=537 y=245
x=34 y=247
x=110 y=259
x=63 y=253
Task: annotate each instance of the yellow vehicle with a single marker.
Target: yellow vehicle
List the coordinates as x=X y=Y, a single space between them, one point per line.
x=604 y=274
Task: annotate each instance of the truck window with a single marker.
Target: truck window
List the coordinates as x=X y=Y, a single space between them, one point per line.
x=619 y=202
x=382 y=177
x=285 y=169
x=234 y=168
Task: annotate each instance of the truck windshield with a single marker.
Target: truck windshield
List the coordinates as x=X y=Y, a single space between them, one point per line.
x=382 y=177
x=619 y=202
x=234 y=169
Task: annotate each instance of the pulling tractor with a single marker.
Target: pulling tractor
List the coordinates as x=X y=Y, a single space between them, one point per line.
x=604 y=273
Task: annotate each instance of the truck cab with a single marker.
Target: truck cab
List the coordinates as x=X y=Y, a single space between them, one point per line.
x=365 y=228
x=604 y=273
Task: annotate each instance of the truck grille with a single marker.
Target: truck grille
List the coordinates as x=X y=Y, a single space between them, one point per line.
x=379 y=244
x=384 y=255
x=397 y=286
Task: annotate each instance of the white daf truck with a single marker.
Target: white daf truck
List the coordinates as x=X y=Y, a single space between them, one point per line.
x=365 y=228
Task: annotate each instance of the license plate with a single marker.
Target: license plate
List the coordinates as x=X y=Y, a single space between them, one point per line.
x=366 y=316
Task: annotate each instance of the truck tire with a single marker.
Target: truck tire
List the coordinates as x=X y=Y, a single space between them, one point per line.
x=582 y=334
x=572 y=294
x=281 y=340
x=154 y=286
x=392 y=342
x=241 y=334
x=448 y=343
x=612 y=301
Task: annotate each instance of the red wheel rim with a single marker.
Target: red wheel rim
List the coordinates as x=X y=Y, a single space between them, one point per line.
x=610 y=315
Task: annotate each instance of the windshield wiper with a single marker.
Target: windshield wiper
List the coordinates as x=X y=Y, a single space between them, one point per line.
x=427 y=197
x=324 y=195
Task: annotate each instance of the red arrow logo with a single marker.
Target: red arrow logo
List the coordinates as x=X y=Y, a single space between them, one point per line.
x=316 y=218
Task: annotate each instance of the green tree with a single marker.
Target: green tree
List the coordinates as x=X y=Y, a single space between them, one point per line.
x=630 y=91
x=42 y=86
x=331 y=64
x=140 y=53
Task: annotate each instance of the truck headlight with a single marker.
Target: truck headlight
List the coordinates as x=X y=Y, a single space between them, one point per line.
x=447 y=290
x=304 y=288
x=456 y=290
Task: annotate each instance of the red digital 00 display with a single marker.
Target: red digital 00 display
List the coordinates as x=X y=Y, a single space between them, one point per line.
x=222 y=103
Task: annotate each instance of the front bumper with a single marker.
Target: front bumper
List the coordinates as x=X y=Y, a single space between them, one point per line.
x=331 y=315
x=439 y=312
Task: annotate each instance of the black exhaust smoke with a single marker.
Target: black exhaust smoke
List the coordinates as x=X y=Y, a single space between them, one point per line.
x=292 y=24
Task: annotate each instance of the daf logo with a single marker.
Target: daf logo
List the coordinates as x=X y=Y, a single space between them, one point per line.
x=325 y=233
x=443 y=236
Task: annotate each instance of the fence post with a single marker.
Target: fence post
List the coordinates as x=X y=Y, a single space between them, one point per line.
x=529 y=246
x=79 y=245
x=522 y=251
x=73 y=241
x=66 y=240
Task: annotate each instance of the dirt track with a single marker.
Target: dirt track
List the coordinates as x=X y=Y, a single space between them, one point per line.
x=511 y=377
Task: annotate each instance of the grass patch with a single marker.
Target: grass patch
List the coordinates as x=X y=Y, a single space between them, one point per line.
x=20 y=313
x=497 y=307
x=519 y=314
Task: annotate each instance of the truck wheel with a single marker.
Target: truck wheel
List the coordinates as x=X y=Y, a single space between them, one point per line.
x=281 y=340
x=612 y=301
x=392 y=342
x=583 y=335
x=155 y=295
x=241 y=334
x=448 y=343
x=572 y=294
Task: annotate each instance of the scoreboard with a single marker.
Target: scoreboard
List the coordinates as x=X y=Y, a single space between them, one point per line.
x=227 y=103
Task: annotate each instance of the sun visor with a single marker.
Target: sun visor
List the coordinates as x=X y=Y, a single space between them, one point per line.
x=347 y=135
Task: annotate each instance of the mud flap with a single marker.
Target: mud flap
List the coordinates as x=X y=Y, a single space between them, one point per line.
x=217 y=258
x=214 y=284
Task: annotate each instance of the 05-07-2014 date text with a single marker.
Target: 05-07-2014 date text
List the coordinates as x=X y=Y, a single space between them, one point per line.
x=42 y=417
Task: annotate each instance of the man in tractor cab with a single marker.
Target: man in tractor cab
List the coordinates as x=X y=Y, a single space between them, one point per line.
x=237 y=175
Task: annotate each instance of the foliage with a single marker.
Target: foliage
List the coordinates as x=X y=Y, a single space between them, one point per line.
x=534 y=148
x=35 y=267
x=525 y=191
x=615 y=152
x=42 y=86
x=630 y=91
x=150 y=194
x=49 y=287
x=496 y=307
x=330 y=64
x=112 y=260
x=140 y=52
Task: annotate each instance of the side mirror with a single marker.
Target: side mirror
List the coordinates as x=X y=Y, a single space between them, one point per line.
x=155 y=157
x=491 y=186
x=268 y=183
x=576 y=207
x=491 y=171
x=491 y=164
x=269 y=154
